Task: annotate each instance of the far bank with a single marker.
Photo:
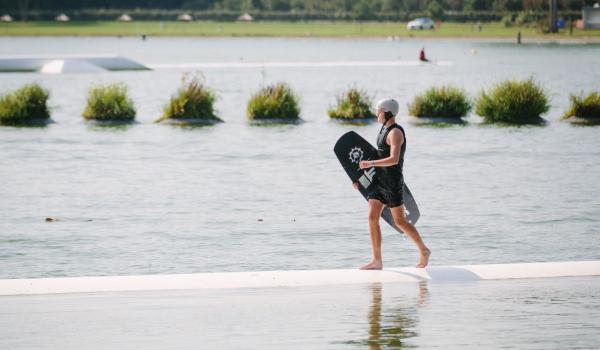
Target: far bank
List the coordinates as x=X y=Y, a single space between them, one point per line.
x=493 y=30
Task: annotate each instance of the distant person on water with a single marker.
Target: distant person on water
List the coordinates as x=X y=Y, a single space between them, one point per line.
x=422 y=56
x=389 y=185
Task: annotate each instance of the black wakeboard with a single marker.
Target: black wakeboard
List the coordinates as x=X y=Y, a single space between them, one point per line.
x=350 y=149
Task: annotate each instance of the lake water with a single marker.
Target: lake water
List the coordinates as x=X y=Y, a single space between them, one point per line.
x=520 y=314
x=151 y=198
x=156 y=199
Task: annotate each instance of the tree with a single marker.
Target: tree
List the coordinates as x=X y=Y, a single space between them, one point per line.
x=197 y=4
x=298 y=5
x=24 y=9
x=391 y=5
x=362 y=10
x=232 y=5
x=453 y=5
x=575 y=4
x=412 y=5
x=507 y=5
x=435 y=10
x=514 y=5
x=534 y=5
x=477 y=5
x=277 y=5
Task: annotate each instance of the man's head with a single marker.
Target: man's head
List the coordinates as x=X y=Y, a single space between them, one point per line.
x=386 y=109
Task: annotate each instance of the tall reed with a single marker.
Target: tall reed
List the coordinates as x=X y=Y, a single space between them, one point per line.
x=109 y=103
x=513 y=102
x=440 y=102
x=26 y=105
x=276 y=101
x=352 y=104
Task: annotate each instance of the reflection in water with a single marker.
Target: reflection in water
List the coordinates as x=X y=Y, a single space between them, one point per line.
x=191 y=125
x=390 y=329
x=275 y=122
x=437 y=122
x=354 y=122
x=109 y=126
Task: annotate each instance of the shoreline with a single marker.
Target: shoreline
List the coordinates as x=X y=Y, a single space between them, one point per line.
x=491 y=39
x=491 y=31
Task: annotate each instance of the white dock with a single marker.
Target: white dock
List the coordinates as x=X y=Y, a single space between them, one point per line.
x=266 y=279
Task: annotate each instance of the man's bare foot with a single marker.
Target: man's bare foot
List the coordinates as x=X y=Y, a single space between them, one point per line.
x=424 y=259
x=373 y=265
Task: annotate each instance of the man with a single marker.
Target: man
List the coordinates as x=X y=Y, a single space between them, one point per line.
x=391 y=146
x=422 y=56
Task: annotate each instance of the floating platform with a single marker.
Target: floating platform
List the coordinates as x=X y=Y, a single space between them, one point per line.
x=265 y=279
x=68 y=64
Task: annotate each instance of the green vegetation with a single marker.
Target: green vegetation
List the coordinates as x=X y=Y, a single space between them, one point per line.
x=352 y=104
x=513 y=102
x=24 y=106
x=435 y=10
x=281 y=29
x=523 y=19
x=192 y=103
x=289 y=9
x=276 y=101
x=584 y=109
x=109 y=103
x=442 y=102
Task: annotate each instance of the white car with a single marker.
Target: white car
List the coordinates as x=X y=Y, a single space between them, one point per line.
x=420 y=23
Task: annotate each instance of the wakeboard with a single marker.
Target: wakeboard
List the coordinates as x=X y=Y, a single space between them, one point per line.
x=350 y=149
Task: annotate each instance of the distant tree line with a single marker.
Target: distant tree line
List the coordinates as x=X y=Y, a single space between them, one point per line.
x=459 y=10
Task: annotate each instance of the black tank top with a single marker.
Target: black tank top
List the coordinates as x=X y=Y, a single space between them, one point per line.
x=393 y=172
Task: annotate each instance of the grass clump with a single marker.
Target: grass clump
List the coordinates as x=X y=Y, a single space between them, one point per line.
x=440 y=102
x=352 y=104
x=194 y=102
x=276 y=101
x=109 y=103
x=584 y=108
x=26 y=105
x=513 y=102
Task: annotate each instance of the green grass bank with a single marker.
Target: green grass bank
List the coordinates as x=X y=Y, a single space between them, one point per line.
x=282 y=29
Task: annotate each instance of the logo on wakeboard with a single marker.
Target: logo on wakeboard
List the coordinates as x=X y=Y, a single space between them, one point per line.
x=356 y=155
x=367 y=177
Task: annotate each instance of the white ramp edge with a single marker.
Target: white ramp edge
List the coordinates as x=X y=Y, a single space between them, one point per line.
x=295 y=278
x=52 y=64
x=69 y=66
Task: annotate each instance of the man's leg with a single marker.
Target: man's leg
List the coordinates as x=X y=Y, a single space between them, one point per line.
x=408 y=228
x=375 y=209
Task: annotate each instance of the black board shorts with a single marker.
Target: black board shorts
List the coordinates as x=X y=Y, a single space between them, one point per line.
x=391 y=196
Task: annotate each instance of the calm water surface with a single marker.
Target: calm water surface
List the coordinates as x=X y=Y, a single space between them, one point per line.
x=519 y=314
x=148 y=198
